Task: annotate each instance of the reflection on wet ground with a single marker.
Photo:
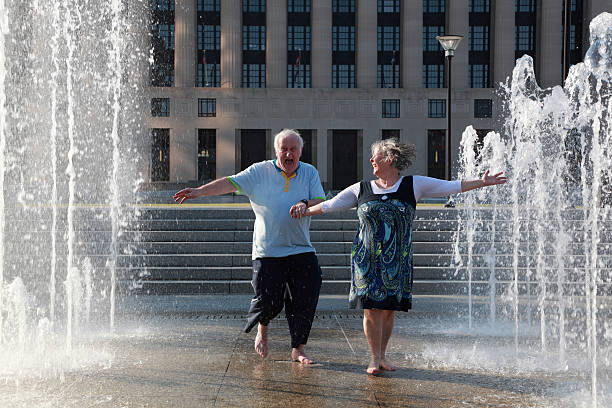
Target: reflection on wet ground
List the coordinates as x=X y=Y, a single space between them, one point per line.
x=159 y=361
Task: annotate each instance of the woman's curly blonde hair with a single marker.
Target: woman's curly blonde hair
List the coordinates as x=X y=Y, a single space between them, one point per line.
x=400 y=154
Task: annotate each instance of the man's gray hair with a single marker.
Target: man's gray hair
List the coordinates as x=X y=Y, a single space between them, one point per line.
x=288 y=132
x=400 y=154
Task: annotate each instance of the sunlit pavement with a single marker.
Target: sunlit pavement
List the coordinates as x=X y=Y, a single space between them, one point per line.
x=191 y=352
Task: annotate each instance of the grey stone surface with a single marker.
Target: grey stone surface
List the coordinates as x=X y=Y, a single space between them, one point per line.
x=189 y=351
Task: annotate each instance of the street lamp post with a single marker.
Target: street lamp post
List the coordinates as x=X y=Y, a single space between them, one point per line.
x=449 y=43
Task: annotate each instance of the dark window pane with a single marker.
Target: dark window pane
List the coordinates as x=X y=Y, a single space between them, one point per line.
x=307 y=150
x=207 y=107
x=433 y=76
x=207 y=155
x=298 y=76
x=390 y=134
x=160 y=154
x=344 y=156
x=252 y=147
x=436 y=153
x=436 y=108
x=483 y=108
x=390 y=108
x=160 y=107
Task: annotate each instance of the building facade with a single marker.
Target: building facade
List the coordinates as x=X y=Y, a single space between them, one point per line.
x=226 y=75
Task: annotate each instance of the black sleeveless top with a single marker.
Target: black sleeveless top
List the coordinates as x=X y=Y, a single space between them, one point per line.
x=381 y=256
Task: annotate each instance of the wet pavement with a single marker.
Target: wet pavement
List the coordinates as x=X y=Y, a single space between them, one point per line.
x=191 y=352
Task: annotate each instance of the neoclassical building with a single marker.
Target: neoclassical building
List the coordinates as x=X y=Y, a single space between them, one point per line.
x=228 y=74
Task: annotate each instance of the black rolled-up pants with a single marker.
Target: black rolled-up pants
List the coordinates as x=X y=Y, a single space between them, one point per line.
x=293 y=281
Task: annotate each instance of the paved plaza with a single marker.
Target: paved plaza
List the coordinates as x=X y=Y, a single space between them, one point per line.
x=191 y=352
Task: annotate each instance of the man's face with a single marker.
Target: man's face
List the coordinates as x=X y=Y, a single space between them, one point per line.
x=288 y=152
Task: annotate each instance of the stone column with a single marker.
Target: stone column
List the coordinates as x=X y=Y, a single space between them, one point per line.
x=183 y=155
x=412 y=44
x=226 y=149
x=184 y=43
x=366 y=44
x=321 y=54
x=276 y=44
x=549 y=48
x=231 y=44
x=502 y=40
x=458 y=24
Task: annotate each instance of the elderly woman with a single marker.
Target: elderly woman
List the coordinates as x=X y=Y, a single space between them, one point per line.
x=381 y=257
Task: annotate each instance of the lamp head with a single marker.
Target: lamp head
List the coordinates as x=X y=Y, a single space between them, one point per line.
x=449 y=43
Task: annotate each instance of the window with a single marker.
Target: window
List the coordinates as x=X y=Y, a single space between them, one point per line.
x=207 y=154
x=207 y=107
x=253 y=6
x=208 y=75
x=162 y=5
x=160 y=155
x=436 y=108
x=162 y=74
x=160 y=107
x=298 y=76
x=343 y=6
x=483 y=108
x=209 y=37
x=436 y=153
x=478 y=75
x=429 y=38
x=298 y=6
x=433 y=76
x=209 y=5
x=343 y=38
x=388 y=75
x=390 y=134
x=433 y=6
x=388 y=38
x=524 y=6
x=253 y=38
x=390 y=108
x=388 y=6
x=162 y=43
x=208 y=54
x=253 y=75
x=479 y=38
x=478 y=6
x=343 y=76
x=165 y=32
x=298 y=38
x=524 y=38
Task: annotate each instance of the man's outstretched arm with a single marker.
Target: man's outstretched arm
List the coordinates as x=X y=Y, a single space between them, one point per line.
x=216 y=187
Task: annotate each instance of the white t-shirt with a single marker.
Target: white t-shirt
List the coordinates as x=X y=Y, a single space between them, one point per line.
x=276 y=233
x=424 y=187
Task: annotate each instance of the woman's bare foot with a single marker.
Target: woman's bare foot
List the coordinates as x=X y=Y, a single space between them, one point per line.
x=373 y=367
x=261 y=340
x=385 y=365
x=298 y=355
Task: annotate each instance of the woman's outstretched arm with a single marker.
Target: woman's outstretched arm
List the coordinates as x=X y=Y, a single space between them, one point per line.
x=486 y=180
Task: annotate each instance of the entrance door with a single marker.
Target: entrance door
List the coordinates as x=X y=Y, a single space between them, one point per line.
x=160 y=154
x=436 y=153
x=252 y=147
x=344 y=158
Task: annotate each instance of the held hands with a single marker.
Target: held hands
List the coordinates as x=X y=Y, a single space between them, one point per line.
x=298 y=210
x=185 y=194
x=498 y=178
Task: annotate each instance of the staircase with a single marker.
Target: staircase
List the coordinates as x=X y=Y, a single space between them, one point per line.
x=186 y=250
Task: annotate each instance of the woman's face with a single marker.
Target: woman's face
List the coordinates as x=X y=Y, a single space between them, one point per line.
x=380 y=165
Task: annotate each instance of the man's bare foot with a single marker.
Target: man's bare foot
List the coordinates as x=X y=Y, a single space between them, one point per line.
x=385 y=365
x=298 y=355
x=373 y=368
x=261 y=340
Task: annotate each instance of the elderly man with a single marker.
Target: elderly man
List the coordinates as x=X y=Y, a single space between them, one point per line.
x=285 y=267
